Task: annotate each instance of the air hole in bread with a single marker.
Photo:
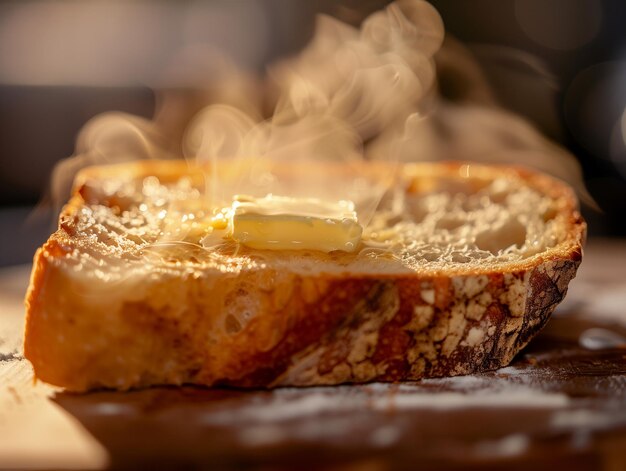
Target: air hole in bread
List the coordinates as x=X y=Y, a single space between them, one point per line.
x=430 y=256
x=449 y=223
x=460 y=257
x=232 y=325
x=495 y=240
x=549 y=213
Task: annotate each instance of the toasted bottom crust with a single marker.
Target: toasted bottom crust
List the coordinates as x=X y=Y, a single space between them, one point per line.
x=313 y=331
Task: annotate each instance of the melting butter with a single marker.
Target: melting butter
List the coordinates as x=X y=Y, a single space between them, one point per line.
x=285 y=223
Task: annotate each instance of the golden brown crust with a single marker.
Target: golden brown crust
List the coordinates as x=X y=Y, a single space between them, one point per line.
x=308 y=330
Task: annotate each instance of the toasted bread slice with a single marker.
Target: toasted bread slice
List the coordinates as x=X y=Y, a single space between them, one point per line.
x=456 y=283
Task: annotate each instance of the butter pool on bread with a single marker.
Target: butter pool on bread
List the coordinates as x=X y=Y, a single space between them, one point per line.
x=457 y=282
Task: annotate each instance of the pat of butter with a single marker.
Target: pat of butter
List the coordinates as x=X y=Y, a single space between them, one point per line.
x=283 y=223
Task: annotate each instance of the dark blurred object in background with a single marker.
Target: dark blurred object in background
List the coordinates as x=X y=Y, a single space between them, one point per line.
x=61 y=63
x=560 y=63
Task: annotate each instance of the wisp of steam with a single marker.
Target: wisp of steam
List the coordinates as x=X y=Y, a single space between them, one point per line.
x=353 y=95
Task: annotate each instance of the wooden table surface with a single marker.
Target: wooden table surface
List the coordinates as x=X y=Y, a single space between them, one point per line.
x=561 y=404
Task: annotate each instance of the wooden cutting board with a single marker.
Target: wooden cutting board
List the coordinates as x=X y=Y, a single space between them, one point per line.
x=562 y=403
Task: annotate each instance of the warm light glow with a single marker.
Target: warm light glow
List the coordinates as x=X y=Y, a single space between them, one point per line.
x=323 y=122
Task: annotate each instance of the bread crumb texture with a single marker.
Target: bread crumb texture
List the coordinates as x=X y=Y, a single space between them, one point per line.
x=458 y=269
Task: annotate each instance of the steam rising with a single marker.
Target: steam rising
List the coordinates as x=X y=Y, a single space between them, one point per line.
x=346 y=87
x=353 y=95
x=106 y=139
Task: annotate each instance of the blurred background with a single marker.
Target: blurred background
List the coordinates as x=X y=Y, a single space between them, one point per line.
x=560 y=63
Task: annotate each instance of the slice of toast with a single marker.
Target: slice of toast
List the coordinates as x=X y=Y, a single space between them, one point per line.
x=457 y=282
